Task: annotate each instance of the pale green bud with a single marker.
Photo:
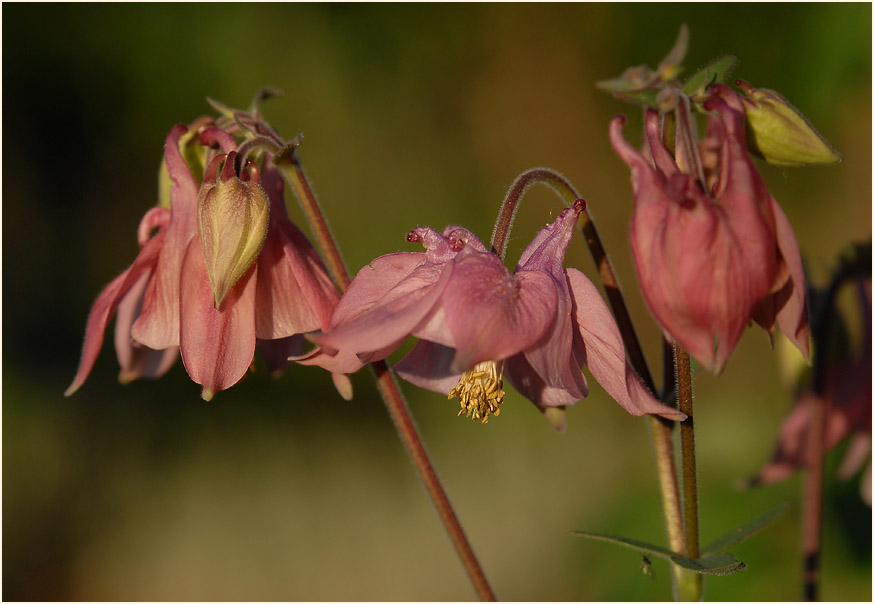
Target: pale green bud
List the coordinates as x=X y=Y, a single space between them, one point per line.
x=232 y=219
x=778 y=133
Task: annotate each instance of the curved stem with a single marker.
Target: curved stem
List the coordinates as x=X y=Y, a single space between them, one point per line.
x=660 y=428
x=397 y=407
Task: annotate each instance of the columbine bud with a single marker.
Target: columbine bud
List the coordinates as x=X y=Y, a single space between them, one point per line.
x=232 y=223
x=778 y=133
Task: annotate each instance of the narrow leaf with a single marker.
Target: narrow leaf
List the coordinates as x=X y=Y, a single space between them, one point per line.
x=639 y=546
x=715 y=72
x=719 y=564
x=746 y=530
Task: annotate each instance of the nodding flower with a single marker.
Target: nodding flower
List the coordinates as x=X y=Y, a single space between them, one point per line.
x=712 y=256
x=478 y=323
x=224 y=271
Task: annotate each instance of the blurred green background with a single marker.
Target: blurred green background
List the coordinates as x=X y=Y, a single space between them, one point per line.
x=412 y=115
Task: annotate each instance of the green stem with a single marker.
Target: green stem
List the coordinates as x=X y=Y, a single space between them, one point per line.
x=391 y=394
x=690 y=589
x=660 y=428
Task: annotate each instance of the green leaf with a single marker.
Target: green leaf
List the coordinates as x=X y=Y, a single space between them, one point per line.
x=647 y=97
x=719 y=564
x=616 y=85
x=638 y=546
x=715 y=72
x=746 y=530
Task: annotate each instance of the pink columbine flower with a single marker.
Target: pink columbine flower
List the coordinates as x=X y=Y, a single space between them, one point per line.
x=226 y=270
x=712 y=258
x=477 y=322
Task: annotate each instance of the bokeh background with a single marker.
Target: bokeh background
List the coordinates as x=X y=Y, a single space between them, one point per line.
x=412 y=115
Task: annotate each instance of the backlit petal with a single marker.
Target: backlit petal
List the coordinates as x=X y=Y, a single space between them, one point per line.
x=158 y=324
x=138 y=361
x=217 y=345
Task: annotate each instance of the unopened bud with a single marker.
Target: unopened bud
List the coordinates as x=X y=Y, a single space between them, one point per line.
x=778 y=133
x=232 y=218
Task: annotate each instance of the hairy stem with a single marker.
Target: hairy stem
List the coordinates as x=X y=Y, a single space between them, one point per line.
x=691 y=589
x=394 y=400
x=660 y=428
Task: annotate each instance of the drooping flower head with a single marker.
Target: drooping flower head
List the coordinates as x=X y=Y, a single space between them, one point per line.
x=224 y=271
x=477 y=323
x=712 y=256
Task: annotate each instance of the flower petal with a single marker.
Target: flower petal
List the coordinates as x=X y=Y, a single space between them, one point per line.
x=791 y=302
x=158 y=325
x=493 y=315
x=295 y=293
x=107 y=303
x=217 y=345
x=427 y=366
x=138 y=361
x=372 y=282
x=530 y=384
x=552 y=358
x=603 y=352
x=342 y=361
x=390 y=318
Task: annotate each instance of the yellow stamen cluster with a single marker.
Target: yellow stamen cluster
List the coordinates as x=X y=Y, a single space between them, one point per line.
x=480 y=391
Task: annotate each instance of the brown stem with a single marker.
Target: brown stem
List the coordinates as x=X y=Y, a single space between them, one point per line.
x=687 y=446
x=416 y=448
x=391 y=394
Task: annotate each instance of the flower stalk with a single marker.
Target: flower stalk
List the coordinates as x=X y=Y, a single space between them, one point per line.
x=294 y=174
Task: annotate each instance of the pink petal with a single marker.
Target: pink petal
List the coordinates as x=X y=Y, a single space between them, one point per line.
x=137 y=361
x=530 y=384
x=791 y=314
x=392 y=317
x=158 y=324
x=282 y=308
x=217 y=345
x=427 y=366
x=343 y=361
x=604 y=353
x=295 y=293
x=493 y=315
x=552 y=357
x=372 y=282
x=107 y=303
